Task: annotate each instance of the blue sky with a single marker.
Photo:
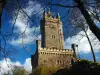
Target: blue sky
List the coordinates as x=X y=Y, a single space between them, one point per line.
x=21 y=49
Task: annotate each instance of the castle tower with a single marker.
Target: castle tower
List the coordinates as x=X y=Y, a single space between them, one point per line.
x=50 y=50
x=51 y=31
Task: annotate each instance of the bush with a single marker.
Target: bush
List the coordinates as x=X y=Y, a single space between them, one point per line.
x=19 y=71
x=43 y=70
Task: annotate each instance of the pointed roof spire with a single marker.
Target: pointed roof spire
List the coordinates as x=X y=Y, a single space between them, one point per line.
x=49 y=13
x=58 y=16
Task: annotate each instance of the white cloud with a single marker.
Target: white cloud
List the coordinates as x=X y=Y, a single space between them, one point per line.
x=33 y=7
x=8 y=65
x=3 y=67
x=23 y=24
x=27 y=65
x=83 y=45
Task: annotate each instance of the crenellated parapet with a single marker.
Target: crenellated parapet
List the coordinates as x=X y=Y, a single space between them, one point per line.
x=50 y=18
x=52 y=49
x=55 y=51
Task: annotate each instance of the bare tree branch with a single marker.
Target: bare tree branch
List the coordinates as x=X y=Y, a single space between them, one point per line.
x=67 y=6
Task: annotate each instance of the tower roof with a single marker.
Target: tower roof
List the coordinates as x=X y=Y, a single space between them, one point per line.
x=58 y=16
x=49 y=13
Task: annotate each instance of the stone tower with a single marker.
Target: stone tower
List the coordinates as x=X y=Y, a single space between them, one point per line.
x=50 y=49
x=51 y=31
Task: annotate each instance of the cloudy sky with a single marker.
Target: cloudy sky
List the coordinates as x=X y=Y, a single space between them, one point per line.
x=21 y=44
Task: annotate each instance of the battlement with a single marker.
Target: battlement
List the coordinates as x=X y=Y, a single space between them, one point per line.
x=55 y=51
x=50 y=17
x=52 y=49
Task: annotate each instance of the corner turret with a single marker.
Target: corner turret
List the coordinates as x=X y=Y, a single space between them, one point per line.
x=58 y=16
x=49 y=13
x=38 y=42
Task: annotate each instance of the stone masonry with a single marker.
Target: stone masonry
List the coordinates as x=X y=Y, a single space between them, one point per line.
x=50 y=50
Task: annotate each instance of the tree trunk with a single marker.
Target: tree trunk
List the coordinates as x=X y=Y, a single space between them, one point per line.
x=95 y=30
x=90 y=45
x=2 y=4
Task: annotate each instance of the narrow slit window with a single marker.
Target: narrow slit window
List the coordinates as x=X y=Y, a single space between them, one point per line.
x=53 y=36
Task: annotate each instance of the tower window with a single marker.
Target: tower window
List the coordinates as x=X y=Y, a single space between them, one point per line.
x=44 y=61
x=57 y=61
x=53 y=36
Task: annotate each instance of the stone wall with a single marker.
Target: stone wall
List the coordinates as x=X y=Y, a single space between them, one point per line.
x=50 y=51
x=51 y=31
x=53 y=57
